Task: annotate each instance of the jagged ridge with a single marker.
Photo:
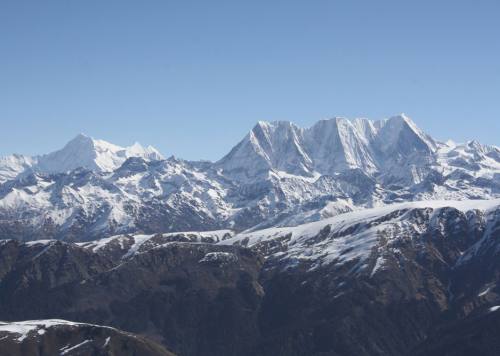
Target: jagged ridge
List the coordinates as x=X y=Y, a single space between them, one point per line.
x=278 y=175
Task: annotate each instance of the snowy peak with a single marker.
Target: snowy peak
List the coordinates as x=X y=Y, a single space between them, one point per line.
x=336 y=145
x=268 y=146
x=11 y=166
x=81 y=152
x=282 y=142
x=96 y=155
x=148 y=153
x=400 y=135
x=329 y=147
x=471 y=157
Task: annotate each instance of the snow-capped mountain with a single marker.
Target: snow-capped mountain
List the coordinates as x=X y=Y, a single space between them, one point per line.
x=11 y=166
x=278 y=175
x=391 y=147
x=81 y=152
x=97 y=155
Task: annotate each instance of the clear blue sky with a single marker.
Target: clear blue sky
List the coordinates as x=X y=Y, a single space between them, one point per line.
x=192 y=77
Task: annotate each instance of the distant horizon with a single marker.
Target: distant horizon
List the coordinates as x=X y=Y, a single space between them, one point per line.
x=191 y=78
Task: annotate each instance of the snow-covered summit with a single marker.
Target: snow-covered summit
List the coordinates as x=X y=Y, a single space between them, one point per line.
x=330 y=146
x=11 y=166
x=81 y=152
x=99 y=155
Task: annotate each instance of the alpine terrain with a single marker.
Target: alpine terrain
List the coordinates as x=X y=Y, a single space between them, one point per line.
x=350 y=237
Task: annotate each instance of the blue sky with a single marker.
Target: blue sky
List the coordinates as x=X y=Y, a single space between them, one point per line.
x=192 y=77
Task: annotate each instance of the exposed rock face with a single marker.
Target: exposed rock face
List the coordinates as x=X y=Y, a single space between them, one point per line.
x=60 y=337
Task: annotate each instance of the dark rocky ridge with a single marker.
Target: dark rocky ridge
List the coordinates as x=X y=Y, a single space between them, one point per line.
x=438 y=286
x=58 y=337
x=435 y=293
x=194 y=298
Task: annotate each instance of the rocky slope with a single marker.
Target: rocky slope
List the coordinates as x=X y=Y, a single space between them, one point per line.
x=195 y=298
x=61 y=337
x=418 y=278
x=278 y=175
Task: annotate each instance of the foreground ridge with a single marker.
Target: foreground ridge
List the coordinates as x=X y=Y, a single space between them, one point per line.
x=416 y=278
x=62 y=337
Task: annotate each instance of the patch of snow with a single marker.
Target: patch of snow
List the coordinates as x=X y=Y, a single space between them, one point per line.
x=16 y=328
x=23 y=328
x=39 y=242
x=483 y=293
x=220 y=257
x=106 y=342
x=65 y=350
x=45 y=249
x=378 y=265
x=138 y=241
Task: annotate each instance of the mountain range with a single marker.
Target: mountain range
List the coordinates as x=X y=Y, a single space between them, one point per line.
x=350 y=237
x=278 y=175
